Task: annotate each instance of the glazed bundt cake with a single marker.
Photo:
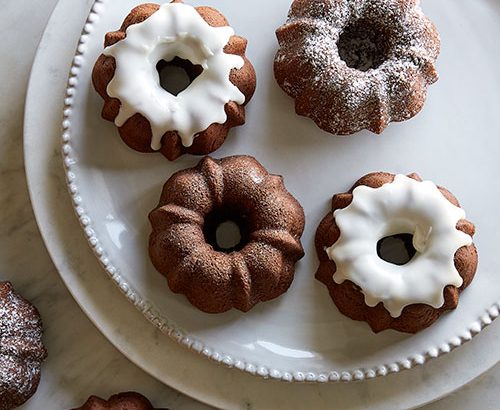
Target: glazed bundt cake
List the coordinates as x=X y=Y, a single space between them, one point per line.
x=121 y=401
x=354 y=65
x=151 y=117
x=389 y=292
x=183 y=245
x=21 y=348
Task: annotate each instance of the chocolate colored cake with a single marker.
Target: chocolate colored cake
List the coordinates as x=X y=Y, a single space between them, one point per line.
x=349 y=297
x=121 y=401
x=137 y=131
x=194 y=202
x=21 y=348
x=354 y=65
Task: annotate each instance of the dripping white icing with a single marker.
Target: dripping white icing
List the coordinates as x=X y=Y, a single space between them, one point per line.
x=404 y=206
x=175 y=30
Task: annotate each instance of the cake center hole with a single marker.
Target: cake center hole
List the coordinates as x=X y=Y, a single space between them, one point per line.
x=396 y=249
x=177 y=75
x=228 y=235
x=226 y=231
x=364 y=45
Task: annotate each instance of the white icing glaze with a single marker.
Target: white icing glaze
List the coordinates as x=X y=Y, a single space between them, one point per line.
x=175 y=30
x=404 y=206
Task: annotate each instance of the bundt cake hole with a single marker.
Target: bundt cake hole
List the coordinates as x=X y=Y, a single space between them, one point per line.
x=396 y=249
x=226 y=231
x=177 y=75
x=364 y=45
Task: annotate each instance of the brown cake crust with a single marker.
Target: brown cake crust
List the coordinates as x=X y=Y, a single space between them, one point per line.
x=21 y=348
x=120 y=401
x=348 y=297
x=342 y=99
x=235 y=188
x=136 y=132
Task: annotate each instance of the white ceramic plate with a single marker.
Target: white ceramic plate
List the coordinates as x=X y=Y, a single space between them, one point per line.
x=301 y=335
x=126 y=327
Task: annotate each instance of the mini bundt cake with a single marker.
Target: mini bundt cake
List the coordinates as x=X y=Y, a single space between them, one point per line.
x=354 y=65
x=21 y=348
x=183 y=245
x=149 y=117
x=121 y=401
x=390 y=292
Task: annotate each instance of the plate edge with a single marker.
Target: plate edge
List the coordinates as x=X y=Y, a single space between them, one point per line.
x=171 y=329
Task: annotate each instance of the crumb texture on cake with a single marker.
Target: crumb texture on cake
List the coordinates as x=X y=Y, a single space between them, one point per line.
x=21 y=348
x=120 y=401
x=354 y=65
x=137 y=131
x=270 y=219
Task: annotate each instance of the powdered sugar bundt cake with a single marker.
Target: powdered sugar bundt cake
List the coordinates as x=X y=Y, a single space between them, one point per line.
x=353 y=65
x=183 y=244
x=150 y=116
x=370 y=284
x=21 y=348
x=121 y=401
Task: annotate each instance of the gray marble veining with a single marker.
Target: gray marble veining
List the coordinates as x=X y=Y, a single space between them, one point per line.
x=81 y=361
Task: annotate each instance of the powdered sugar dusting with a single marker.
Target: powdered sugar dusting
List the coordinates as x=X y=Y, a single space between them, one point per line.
x=381 y=80
x=21 y=348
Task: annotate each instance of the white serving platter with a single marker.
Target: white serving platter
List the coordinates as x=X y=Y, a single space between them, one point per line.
x=127 y=328
x=300 y=336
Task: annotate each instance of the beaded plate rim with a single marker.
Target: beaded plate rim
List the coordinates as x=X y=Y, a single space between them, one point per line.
x=175 y=332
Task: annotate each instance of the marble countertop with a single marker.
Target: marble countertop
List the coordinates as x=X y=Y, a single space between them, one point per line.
x=81 y=361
